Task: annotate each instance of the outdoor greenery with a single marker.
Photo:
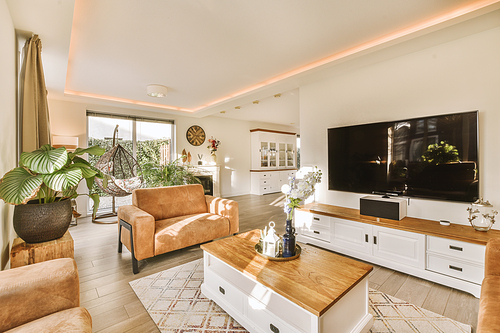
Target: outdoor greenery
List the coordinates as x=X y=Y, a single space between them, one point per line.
x=172 y=173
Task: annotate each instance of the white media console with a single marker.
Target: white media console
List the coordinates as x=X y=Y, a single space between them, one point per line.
x=449 y=255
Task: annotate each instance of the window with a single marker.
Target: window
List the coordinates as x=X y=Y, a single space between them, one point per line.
x=147 y=139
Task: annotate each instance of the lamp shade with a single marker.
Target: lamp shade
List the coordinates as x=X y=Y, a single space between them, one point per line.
x=155 y=90
x=70 y=142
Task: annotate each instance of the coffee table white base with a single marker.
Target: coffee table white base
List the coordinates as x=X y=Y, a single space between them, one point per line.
x=260 y=309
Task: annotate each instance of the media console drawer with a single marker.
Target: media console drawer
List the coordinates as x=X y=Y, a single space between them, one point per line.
x=455 y=268
x=456 y=249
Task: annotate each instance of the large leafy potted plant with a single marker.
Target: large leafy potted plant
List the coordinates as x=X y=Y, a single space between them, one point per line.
x=41 y=188
x=170 y=174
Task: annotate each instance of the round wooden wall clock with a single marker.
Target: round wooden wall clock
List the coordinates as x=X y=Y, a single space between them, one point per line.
x=195 y=135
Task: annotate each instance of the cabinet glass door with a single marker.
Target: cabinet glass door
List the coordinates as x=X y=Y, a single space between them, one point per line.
x=264 y=154
x=272 y=154
x=282 y=155
x=290 y=161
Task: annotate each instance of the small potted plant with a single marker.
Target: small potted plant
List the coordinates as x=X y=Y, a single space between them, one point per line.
x=42 y=188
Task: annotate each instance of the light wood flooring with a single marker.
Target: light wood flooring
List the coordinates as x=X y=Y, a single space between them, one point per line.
x=105 y=274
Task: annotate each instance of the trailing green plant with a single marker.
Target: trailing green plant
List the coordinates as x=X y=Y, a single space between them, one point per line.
x=439 y=153
x=50 y=174
x=170 y=174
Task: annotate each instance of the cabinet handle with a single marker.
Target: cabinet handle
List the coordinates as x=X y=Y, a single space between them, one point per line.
x=316 y=218
x=316 y=232
x=222 y=291
x=456 y=248
x=375 y=240
x=274 y=329
x=455 y=268
x=366 y=238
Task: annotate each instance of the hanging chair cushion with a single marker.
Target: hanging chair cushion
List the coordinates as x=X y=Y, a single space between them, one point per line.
x=128 y=185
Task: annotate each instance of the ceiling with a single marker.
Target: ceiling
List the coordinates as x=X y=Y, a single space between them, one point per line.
x=213 y=55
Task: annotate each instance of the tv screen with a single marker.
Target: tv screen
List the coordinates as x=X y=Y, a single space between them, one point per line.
x=431 y=157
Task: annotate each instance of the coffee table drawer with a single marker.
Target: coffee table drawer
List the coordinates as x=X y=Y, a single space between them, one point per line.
x=231 y=295
x=266 y=321
x=455 y=268
x=278 y=305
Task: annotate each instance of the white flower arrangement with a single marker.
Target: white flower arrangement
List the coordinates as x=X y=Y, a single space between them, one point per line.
x=298 y=190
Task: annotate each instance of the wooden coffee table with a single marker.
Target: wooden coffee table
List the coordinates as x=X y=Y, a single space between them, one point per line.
x=318 y=292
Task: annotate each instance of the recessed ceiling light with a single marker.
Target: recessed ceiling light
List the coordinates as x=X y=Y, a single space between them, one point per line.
x=277 y=95
x=223 y=112
x=155 y=90
x=237 y=107
x=255 y=102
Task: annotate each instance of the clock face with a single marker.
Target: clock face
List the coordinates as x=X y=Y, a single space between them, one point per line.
x=195 y=135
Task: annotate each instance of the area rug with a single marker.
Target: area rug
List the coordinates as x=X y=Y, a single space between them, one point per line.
x=174 y=301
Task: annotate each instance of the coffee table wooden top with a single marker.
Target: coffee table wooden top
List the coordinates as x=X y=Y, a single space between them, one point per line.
x=315 y=281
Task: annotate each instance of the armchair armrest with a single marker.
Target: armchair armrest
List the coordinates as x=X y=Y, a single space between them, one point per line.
x=492 y=257
x=31 y=292
x=227 y=208
x=143 y=230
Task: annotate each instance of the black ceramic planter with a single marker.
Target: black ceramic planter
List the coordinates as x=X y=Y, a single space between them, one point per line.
x=36 y=223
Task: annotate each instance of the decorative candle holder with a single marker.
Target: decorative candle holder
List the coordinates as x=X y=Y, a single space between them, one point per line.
x=481 y=215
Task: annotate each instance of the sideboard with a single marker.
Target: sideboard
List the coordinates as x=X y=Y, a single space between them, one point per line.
x=449 y=255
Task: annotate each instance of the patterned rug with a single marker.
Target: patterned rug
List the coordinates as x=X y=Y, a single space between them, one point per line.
x=174 y=301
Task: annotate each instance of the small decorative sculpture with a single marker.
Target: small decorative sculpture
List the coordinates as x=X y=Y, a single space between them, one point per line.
x=200 y=157
x=481 y=215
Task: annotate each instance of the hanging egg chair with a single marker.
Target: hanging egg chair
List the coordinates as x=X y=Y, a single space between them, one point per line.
x=122 y=171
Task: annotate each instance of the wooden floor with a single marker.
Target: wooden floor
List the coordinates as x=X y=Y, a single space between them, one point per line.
x=105 y=274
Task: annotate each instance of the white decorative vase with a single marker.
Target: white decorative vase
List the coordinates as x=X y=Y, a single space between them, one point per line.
x=214 y=157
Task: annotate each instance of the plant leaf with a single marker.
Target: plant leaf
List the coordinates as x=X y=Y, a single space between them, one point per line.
x=63 y=179
x=77 y=159
x=94 y=150
x=18 y=186
x=87 y=172
x=95 y=198
x=45 y=160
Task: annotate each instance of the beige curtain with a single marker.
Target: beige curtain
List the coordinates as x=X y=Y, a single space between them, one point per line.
x=34 y=106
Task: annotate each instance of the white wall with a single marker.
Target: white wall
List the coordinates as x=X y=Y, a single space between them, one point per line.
x=461 y=74
x=69 y=119
x=8 y=122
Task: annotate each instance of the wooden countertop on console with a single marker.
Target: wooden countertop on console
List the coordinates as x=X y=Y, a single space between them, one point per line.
x=315 y=281
x=465 y=233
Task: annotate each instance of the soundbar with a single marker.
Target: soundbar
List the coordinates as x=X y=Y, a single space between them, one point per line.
x=385 y=207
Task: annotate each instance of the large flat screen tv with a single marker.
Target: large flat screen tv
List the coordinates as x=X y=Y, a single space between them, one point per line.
x=431 y=157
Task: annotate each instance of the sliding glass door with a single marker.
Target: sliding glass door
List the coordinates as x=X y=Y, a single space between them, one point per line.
x=147 y=140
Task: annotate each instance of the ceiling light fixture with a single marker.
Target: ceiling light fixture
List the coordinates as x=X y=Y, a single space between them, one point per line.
x=237 y=107
x=277 y=95
x=223 y=112
x=255 y=102
x=155 y=90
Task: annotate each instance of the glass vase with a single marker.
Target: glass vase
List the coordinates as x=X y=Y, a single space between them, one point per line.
x=289 y=240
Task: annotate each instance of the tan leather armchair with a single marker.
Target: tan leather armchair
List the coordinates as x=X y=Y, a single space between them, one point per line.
x=43 y=297
x=165 y=219
x=489 y=302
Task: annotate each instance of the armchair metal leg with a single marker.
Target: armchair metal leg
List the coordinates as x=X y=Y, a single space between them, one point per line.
x=135 y=263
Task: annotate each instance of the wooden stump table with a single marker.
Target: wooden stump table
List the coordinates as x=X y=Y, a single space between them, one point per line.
x=23 y=253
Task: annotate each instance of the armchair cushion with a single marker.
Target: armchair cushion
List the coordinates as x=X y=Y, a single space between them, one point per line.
x=171 y=201
x=183 y=231
x=35 y=291
x=75 y=320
